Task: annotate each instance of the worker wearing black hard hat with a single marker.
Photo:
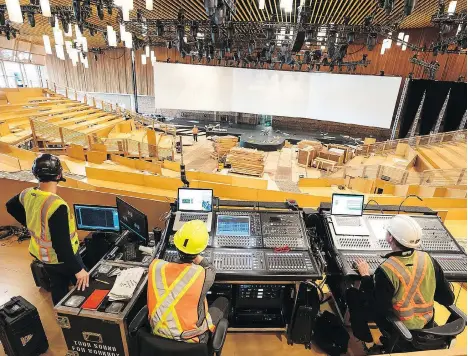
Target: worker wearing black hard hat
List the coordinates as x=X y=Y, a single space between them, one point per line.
x=54 y=240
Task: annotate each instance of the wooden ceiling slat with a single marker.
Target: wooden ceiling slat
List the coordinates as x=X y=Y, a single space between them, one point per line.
x=313 y=10
x=329 y=10
x=254 y=10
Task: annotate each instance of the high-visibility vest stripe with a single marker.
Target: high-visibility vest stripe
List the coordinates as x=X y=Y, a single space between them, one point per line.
x=168 y=306
x=409 y=302
x=171 y=302
x=39 y=206
x=399 y=269
x=164 y=319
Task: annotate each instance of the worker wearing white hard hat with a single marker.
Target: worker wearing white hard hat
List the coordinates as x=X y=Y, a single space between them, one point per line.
x=406 y=284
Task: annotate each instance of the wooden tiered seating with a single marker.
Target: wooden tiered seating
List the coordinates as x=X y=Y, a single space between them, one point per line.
x=52 y=116
x=246 y=161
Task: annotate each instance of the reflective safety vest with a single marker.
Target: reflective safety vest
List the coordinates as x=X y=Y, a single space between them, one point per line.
x=39 y=206
x=174 y=291
x=413 y=278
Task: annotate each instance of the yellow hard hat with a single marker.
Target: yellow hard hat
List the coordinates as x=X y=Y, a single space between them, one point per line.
x=192 y=238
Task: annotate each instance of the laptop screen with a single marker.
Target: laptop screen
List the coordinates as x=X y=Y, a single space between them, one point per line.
x=347 y=204
x=200 y=200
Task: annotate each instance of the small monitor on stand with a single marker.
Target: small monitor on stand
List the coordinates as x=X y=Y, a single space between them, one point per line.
x=133 y=220
x=96 y=218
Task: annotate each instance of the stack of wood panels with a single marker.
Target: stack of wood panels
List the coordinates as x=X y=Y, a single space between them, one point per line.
x=306 y=143
x=222 y=145
x=306 y=156
x=307 y=152
x=246 y=161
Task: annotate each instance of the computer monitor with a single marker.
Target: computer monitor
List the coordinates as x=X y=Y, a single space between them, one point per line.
x=133 y=220
x=347 y=204
x=200 y=200
x=96 y=218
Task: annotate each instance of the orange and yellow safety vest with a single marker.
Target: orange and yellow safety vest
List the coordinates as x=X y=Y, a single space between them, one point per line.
x=174 y=290
x=413 y=278
x=39 y=206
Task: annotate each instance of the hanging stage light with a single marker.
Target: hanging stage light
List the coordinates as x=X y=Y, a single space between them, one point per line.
x=100 y=10
x=317 y=55
x=194 y=29
x=230 y=30
x=371 y=41
x=251 y=46
x=31 y=19
x=409 y=6
x=159 y=29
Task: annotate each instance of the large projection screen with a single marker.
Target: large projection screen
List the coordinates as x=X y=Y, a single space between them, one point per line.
x=351 y=99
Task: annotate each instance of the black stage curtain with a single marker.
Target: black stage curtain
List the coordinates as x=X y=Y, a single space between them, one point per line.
x=456 y=107
x=413 y=98
x=436 y=92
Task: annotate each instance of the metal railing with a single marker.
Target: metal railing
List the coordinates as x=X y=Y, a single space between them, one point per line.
x=434 y=139
x=92 y=100
x=395 y=175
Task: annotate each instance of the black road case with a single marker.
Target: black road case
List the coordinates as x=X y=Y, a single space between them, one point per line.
x=100 y=332
x=21 y=331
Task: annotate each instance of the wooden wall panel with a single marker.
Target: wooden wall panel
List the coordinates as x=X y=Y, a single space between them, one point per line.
x=112 y=71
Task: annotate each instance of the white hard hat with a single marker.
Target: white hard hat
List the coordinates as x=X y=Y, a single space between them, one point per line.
x=405 y=230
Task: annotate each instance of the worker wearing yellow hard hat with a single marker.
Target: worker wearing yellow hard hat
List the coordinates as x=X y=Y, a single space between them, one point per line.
x=177 y=290
x=406 y=285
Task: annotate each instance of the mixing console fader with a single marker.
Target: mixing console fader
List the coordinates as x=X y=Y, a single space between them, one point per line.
x=453 y=265
x=283 y=229
x=435 y=237
x=257 y=264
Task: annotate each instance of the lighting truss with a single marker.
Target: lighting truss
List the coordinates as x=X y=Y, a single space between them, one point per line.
x=430 y=68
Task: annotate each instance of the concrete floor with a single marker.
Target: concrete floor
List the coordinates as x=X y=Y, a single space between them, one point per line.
x=281 y=168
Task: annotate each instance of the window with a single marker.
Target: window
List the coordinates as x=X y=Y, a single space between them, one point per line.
x=32 y=75
x=13 y=73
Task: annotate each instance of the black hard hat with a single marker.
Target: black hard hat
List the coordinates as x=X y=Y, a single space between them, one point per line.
x=47 y=168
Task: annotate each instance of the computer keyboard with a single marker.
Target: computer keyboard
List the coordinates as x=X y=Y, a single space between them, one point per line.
x=348 y=221
x=190 y=217
x=129 y=252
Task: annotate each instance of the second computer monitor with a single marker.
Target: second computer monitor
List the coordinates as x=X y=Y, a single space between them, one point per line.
x=133 y=220
x=96 y=218
x=200 y=200
x=347 y=204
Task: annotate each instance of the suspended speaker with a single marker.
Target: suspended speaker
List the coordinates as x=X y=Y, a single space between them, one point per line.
x=299 y=41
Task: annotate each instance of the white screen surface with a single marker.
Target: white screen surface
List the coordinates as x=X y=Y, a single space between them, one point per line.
x=344 y=204
x=195 y=199
x=357 y=99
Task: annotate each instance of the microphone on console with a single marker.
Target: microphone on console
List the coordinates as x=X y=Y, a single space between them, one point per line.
x=365 y=207
x=409 y=196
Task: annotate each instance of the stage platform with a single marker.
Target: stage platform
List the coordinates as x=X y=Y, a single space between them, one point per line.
x=262 y=142
x=276 y=137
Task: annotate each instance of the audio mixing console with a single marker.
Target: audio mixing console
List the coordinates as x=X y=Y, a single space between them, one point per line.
x=257 y=264
x=247 y=229
x=453 y=265
x=436 y=240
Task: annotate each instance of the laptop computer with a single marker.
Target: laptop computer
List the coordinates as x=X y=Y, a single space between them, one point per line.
x=346 y=214
x=194 y=204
